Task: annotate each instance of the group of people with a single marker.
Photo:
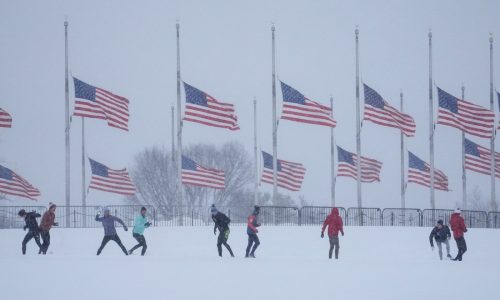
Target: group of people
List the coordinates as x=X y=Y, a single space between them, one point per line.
x=440 y=233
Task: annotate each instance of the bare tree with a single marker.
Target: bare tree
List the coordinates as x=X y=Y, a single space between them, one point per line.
x=477 y=203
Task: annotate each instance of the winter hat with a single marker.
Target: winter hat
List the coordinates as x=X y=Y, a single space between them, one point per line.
x=143 y=208
x=106 y=210
x=440 y=222
x=256 y=210
x=458 y=211
x=51 y=205
x=213 y=209
x=21 y=213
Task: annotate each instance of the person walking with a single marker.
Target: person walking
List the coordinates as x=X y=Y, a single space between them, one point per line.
x=32 y=226
x=45 y=226
x=441 y=233
x=108 y=222
x=253 y=239
x=458 y=227
x=221 y=222
x=335 y=225
x=140 y=224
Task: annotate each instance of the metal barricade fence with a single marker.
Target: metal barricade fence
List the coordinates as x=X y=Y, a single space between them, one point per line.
x=279 y=215
x=401 y=217
x=494 y=219
x=431 y=216
x=182 y=216
x=364 y=216
x=9 y=215
x=316 y=215
x=475 y=219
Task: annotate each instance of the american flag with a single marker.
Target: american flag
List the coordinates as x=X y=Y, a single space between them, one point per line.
x=13 y=184
x=419 y=172
x=289 y=175
x=470 y=118
x=204 y=109
x=109 y=180
x=380 y=112
x=348 y=162
x=296 y=107
x=94 y=102
x=5 y=119
x=194 y=174
x=478 y=159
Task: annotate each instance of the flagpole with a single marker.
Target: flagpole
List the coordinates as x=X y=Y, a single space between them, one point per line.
x=173 y=133
x=431 y=124
x=256 y=186
x=402 y=137
x=179 y=122
x=84 y=196
x=66 y=119
x=332 y=156
x=275 y=125
x=492 y=140
x=358 y=126
x=464 y=174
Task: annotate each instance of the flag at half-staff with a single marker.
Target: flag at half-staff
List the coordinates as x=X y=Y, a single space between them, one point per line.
x=5 y=119
x=298 y=108
x=348 y=162
x=94 y=102
x=205 y=109
x=13 y=184
x=478 y=159
x=197 y=175
x=378 y=111
x=466 y=116
x=109 y=180
x=419 y=172
x=289 y=174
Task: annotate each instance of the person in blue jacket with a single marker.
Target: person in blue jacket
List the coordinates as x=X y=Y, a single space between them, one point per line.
x=108 y=222
x=140 y=224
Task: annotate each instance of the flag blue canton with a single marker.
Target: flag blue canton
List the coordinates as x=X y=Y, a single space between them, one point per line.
x=373 y=98
x=268 y=161
x=98 y=168
x=345 y=156
x=447 y=101
x=84 y=90
x=195 y=96
x=188 y=164
x=5 y=173
x=471 y=148
x=416 y=163
x=292 y=95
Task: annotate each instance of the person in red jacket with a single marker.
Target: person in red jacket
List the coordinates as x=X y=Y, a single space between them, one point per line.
x=458 y=227
x=45 y=226
x=253 y=239
x=335 y=225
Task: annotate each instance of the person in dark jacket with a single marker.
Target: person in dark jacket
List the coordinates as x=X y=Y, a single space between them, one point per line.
x=441 y=233
x=253 y=239
x=140 y=224
x=108 y=222
x=458 y=227
x=45 y=226
x=32 y=226
x=221 y=222
x=335 y=225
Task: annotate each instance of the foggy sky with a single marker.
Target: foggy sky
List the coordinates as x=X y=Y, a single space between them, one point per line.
x=128 y=47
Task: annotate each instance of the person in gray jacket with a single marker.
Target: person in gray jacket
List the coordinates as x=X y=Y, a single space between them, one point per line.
x=108 y=222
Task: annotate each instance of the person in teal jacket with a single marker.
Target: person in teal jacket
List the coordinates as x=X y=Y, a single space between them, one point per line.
x=140 y=224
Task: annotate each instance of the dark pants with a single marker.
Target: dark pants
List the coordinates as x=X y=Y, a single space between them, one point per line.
x=142 y=243
x=462 y=248
x=253 y=239
x=46 y=241
x=108 y=238
x=334 y=243
x=28 y=237
x=222 y=240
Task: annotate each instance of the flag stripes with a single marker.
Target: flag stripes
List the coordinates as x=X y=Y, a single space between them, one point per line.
x=296 y=107
x=5 y=119
x=197 y=175
x=204 y=109
x=13 y=184
x=289 y=175
x=94 y=102
x=109 y=180
x=378 y=111
x=478 y=159
x=348 y=162
x=419 y=172
x=468 y=117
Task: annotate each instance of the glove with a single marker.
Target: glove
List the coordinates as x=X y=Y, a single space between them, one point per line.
x=342 y=234
x=465 y=230
x=24 y=228
x=126 y=228
x=147 y=224
x=56 y=224
x=432 y=247
x=322 y=235
x=215 y=231
x=256 y=231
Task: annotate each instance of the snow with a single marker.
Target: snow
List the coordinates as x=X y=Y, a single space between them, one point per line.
x=291 y=263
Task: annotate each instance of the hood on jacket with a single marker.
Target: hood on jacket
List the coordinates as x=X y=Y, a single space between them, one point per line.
x=335 y=211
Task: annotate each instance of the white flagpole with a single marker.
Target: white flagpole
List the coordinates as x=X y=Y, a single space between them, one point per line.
x=494 y=206
x=464 y=174
x=275 y=124
x=66 y=119
x=255 y=154
x=431 y=124
x=402 y=138
x=358 y=125
x=179 y=122
x=332 y=156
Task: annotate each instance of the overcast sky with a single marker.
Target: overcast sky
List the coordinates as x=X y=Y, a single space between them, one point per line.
x=128 y=47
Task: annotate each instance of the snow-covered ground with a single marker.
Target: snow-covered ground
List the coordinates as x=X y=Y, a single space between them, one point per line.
x=292 y=263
